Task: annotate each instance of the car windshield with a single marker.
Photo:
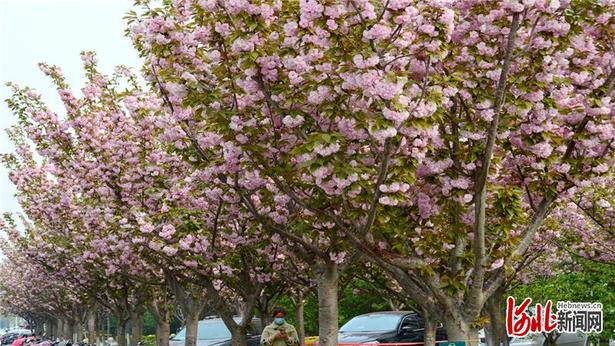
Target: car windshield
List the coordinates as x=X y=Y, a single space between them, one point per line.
x=371 y=323
x=207 y=331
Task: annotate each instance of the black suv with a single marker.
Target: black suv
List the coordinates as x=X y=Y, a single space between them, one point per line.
x=386 y=326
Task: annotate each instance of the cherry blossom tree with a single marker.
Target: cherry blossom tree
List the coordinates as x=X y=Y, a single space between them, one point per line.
x=135 y=215
x=80 y=192
x=28 y=290
x=447 y=142
x=434 y=137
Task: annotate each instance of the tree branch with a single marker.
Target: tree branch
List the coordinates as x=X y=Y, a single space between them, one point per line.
x=475 y=298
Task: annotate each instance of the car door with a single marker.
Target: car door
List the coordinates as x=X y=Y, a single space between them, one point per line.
x=411 y=329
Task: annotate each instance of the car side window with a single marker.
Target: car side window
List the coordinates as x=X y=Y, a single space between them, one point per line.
x=411 y=322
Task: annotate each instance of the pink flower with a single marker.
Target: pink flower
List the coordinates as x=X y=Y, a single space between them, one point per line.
x=542 y=150
x=383 y=134
x=146 y=228
x=167 y=231
x=428 y=29
x=91 y=91
x=241 y=45
x=321 y=94
x=377 y=32
x=169 y=250
x=601 y=168
x=155 y=245
x=292 y=122
x=394 y=116
x=497 y=264
x=310 y=10
x=399 y=4
x=386 y=200
x=176 y=91
x=326 y=150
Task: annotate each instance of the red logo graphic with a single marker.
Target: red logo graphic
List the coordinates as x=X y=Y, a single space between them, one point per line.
x=519 y=322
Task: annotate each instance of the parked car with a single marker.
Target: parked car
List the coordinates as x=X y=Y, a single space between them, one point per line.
x=386 y=326
x=213 y=331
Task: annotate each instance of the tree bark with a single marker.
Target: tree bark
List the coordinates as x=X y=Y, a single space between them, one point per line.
x=161 y=311
x=50 y=330
x=192 y=327
x=60 y=328
x=457 y=329
x=245 y=308
x=265 y=318
x=300 y=318
x=239 y=337
x=92 y=337
x=430 y=325
x=327 y=277
x=121 y=332
x=39 y=328
x=68 y=330
x=192 y=301
x=163 y=332
x=136 y=321
x=78 y=330
x=495 y=331
x=108 y=324
x=160 y=308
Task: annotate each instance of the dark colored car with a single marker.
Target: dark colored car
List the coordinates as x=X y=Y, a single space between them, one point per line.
x=213 y=331
x=386 y=326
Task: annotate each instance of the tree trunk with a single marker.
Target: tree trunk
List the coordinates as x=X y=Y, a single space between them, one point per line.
x=429 y=338
x=39 y=328
x=238 y=336
x=50 y=334
x=327 y=277
x=78 y=330
x=68 y=330
x=192 y=327
x=108 y=324
x=265 y=318
x=121 y=332
x=457 y=329
x=136 y=321
x=192 y=301
x=495 y=331
x=163 y=332
x=160 y=309
x=60 y=328
x=300 y=318
x=92 y=338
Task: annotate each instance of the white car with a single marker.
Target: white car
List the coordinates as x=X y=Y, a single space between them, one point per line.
x=24 y=332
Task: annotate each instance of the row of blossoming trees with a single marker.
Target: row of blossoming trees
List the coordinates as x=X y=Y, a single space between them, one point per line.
x=450 y=144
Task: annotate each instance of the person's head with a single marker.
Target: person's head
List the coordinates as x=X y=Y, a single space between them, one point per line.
x=279 y=315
